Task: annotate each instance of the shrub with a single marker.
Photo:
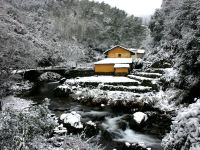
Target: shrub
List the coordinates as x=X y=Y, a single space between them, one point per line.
x=18 y=129
x=185 y=130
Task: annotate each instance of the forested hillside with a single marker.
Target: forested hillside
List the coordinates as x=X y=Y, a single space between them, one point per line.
x=48 y=32
x=176 y=40
x=60 y=30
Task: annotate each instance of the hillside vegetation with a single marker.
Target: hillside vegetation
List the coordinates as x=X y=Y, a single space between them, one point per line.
x=175 y=42
x=175 y=39
x=48 y=32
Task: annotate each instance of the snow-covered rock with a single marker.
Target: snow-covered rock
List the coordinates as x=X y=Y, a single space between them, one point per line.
x=50 y=76
x=60 y=129
x=63 y=90
x=139 y=117
x=19 y=88
x=73 y=119
x=91 y=123
x=91 y=129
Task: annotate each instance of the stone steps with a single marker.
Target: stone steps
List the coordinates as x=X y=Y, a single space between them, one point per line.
x=147 y=74
x=141 y=78
x=156 y=70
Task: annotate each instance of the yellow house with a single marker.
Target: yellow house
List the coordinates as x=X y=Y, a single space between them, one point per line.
x=119 y=60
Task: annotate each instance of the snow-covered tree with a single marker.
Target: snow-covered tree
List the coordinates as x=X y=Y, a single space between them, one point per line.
x=176 y=33
x=185 y=130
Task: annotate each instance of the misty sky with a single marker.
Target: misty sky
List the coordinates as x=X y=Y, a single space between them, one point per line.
x=136 y=7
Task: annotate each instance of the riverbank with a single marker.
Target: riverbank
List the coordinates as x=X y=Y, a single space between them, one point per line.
x=122 y=109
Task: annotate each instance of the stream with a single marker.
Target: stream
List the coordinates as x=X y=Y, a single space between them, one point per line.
x=105 y=118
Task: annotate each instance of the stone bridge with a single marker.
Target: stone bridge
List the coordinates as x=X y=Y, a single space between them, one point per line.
x=33 y=74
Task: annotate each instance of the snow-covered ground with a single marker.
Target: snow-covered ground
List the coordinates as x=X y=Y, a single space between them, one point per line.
x=185 y=129
x=102 y=79
x=15 y=103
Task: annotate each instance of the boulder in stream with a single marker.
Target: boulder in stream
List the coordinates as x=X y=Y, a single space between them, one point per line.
x=139 y=117
x=138 y=120
x=72 y=121
x=90 y=129
x=62 y=91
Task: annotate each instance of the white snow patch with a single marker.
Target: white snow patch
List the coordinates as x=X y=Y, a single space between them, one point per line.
x=91 y=123
x=121 y=66
x=60 y=129
x=170 y=73
x=102 y=105
x=139 y=117
x=127 y=144
x=141 y=51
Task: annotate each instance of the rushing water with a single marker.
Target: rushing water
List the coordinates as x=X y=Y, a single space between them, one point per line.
x=106 y=118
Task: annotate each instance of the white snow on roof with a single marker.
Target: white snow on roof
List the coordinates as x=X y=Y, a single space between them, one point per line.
x=121 y=66
x=117 y=46
x=140 y=51
x=115 y=61
x=133 y=50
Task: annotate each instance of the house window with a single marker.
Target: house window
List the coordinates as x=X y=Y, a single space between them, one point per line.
x=119 y=55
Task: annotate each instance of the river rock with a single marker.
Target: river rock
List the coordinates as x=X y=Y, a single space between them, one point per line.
x=62 y=91
x=60 y=130
x=21 y=88
x=91 y=129
x=162 y=64
x=158 y=123
x=72 y=121
x=129 y=146
x=139 y=117
x=62 y=80
x=122 y=124
x=138 y=121
x=49 y=77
